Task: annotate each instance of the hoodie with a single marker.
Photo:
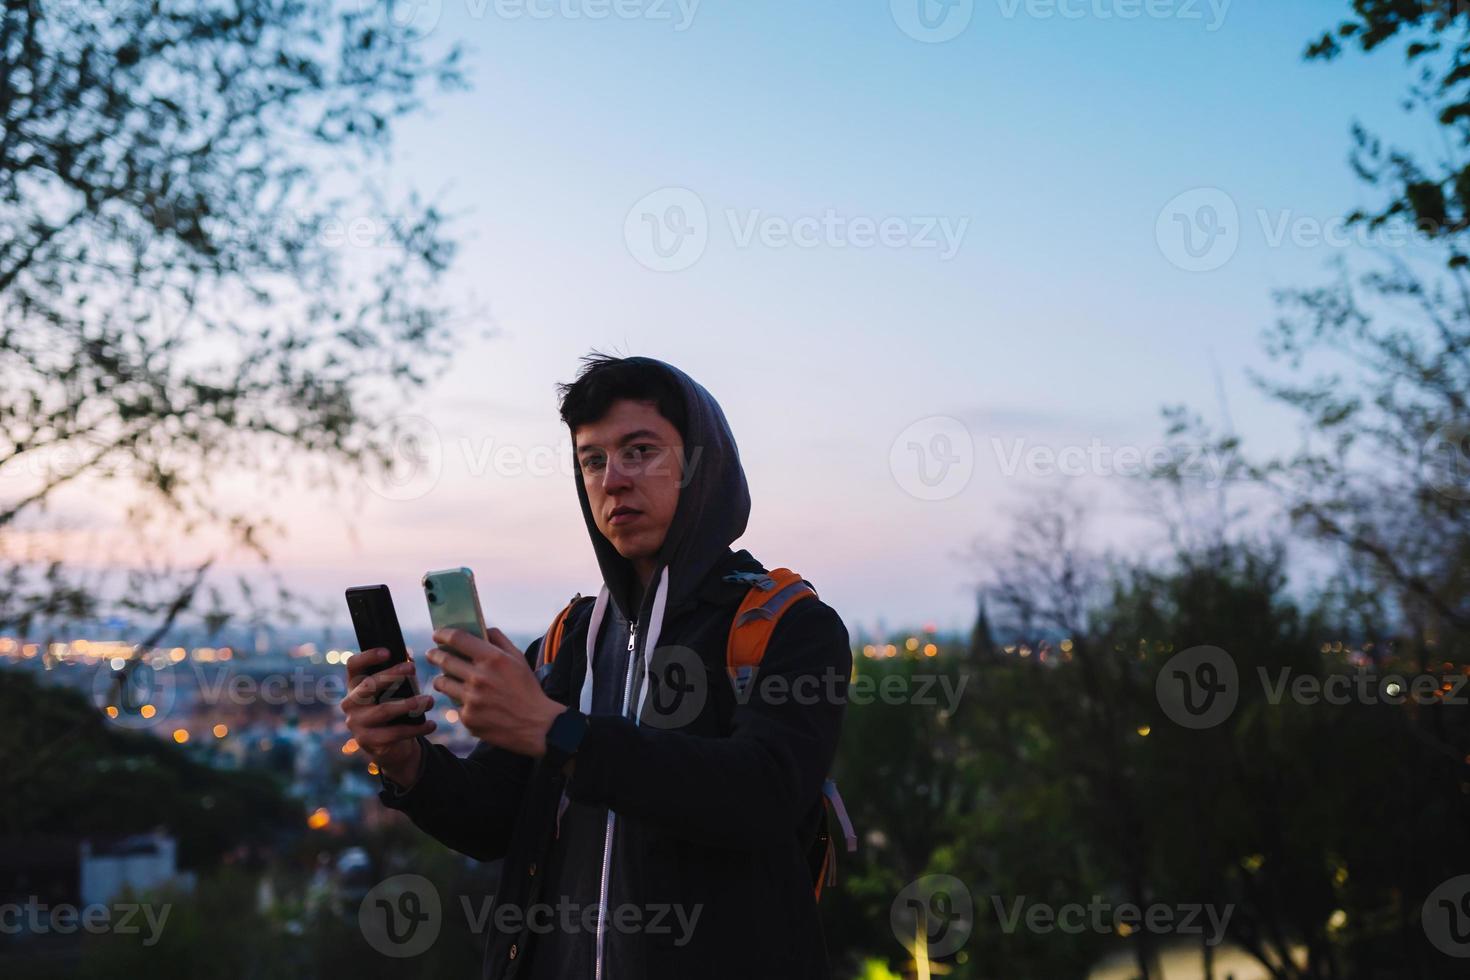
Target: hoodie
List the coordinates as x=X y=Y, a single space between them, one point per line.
x=671 y=850
x=713 y=507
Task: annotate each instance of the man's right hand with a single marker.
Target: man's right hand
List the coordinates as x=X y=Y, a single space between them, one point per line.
x=394 y=747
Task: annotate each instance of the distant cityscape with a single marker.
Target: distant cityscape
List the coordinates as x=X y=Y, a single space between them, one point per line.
x=270 y=700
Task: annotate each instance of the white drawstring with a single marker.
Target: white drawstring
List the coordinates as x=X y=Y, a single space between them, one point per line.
x=650 y=641
x=598 y=609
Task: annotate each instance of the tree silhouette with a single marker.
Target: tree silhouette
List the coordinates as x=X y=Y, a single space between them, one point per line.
x=188 y=294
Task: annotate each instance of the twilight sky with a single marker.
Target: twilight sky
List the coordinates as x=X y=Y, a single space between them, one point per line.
x=845 y=227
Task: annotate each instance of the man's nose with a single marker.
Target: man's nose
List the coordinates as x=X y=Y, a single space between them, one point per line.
x=615 y=477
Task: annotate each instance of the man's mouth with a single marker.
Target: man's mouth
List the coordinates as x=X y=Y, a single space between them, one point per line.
x=624 y=515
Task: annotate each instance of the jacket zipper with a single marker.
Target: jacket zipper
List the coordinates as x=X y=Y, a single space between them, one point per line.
x=611 y=817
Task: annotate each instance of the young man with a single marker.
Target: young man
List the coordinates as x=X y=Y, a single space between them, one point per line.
x=653 y=823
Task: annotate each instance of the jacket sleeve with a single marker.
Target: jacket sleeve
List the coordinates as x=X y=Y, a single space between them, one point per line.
x=468 y=804
x=752 y=787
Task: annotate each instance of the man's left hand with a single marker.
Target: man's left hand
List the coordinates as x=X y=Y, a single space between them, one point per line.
x=500 y=700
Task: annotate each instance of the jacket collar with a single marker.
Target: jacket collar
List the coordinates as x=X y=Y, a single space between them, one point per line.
x=713 y=589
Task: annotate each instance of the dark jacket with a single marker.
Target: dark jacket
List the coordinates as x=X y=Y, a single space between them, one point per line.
x=700 y=806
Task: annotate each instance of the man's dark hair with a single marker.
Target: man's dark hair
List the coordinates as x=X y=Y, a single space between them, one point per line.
x=605 y=378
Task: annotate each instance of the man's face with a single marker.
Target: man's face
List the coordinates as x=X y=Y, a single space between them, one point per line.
x=632 y=459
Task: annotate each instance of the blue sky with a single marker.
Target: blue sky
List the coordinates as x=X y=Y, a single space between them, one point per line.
x=1054 y=142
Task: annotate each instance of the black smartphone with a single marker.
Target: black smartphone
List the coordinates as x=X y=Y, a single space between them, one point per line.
x=376 y=623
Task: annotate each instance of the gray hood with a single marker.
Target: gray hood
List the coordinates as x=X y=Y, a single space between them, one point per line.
x=714 y=505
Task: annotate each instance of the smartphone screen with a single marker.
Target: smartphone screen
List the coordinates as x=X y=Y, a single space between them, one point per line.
x=376 y=625
x=453 y=601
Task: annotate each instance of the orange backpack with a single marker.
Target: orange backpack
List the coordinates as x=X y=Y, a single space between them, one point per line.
x=770 y=595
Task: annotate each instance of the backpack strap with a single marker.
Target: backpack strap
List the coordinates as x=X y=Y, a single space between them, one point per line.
x=832 y=800
x=551 y=640
x=770 y=595
x=545 y=657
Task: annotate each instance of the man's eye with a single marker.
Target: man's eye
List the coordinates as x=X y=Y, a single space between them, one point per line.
x=634 y=455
